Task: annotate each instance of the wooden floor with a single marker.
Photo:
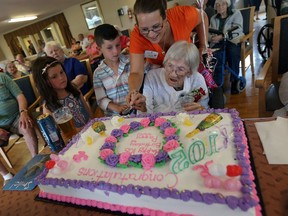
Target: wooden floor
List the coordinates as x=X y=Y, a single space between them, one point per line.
x=246 y=103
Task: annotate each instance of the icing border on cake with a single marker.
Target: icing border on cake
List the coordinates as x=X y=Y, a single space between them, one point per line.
x=248 y=200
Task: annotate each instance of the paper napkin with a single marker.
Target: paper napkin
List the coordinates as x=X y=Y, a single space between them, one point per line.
x=274 y=138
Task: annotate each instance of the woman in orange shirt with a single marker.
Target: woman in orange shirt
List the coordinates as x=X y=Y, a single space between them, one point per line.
x=156 y=30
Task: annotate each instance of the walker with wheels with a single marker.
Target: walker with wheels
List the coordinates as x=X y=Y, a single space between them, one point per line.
x=241 y=81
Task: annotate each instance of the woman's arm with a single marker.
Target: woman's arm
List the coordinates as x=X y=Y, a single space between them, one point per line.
x=136 y=76
x=136 y=72
x=202 y=30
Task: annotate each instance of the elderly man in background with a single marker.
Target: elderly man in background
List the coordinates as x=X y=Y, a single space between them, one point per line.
x=75 y=71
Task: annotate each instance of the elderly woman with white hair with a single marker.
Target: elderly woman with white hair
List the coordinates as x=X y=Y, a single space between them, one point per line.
x=223 y=20
x=165 y=88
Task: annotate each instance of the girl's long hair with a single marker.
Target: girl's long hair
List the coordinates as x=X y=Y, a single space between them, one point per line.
x=46 y=91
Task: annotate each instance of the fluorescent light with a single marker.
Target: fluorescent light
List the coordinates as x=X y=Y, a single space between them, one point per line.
x=21 y=19
x=91 y=8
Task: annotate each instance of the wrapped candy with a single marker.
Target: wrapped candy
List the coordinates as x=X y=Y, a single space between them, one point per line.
x=99 y=127
x=208 y=122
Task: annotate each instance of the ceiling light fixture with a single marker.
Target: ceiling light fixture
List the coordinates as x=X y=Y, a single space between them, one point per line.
x=22 y=19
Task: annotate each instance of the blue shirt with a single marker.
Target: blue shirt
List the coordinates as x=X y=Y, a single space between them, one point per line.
x=73 y=68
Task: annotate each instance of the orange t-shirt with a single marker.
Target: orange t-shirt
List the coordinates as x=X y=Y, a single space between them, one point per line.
x=182 y=19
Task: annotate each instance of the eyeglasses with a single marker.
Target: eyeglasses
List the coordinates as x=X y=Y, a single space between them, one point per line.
x=179 y=71
x=49 y=65
x=156 y=28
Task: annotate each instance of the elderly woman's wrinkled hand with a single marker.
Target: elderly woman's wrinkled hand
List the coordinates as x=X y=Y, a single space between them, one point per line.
x=138 y=101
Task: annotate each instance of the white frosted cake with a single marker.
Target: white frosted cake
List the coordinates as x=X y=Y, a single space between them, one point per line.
x=157 y=164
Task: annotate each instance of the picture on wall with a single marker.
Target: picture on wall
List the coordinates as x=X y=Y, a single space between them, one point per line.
x=92 y=14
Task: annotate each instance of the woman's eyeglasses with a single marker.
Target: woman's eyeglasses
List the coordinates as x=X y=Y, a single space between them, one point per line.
x=179 y=71
x=156 y=28
x=44 y=70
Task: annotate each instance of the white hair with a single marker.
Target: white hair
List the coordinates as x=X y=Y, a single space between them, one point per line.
x=186 y=51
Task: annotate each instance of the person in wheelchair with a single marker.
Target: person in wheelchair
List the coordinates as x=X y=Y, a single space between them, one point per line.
x=223 y=20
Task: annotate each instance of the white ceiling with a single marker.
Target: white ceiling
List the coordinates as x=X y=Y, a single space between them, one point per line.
x=41 y=8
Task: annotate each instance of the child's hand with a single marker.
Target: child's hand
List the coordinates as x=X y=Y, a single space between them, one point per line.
x=122 y=108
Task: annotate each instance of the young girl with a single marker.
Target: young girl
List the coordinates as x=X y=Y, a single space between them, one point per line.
x=57 y=91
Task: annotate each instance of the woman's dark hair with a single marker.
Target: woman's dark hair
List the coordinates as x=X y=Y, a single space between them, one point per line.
x=149 y=6
x=43 y=85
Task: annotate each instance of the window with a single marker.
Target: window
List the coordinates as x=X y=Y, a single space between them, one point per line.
x=92 y=14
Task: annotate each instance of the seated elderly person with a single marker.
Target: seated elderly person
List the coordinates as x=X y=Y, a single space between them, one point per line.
x=75 y=71
x=12 y=71
x=14 y=114
x=22 y=64
x=225 y=19
x=176 y=87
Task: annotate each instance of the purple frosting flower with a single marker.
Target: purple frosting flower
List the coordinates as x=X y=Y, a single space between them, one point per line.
x=122 y=190
x=130 y=188
x=135 y=158
x=196 y=196
x=172 y=137
x=146 y=190
x=175 y=194
x=117 y=133
x=155 y=192
x=135 y=125
x=232 y=202
x=153 y=117
x=112 y=160
x=165 y=125
x=208 y=198
x=219 y=198
x=164 y=193
x=185 y=195
x=108 y=145
x=161 y=156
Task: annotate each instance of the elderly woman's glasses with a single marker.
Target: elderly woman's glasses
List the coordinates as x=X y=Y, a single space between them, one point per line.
x=156 y=28
x=179 y=71
x=44 y=70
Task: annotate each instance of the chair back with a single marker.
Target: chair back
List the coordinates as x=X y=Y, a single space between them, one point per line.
x=87 y=65
x=27 y=86
x=248 y=19
x=280 y=49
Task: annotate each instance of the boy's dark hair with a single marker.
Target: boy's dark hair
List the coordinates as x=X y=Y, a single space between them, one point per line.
x=43 y=86
x=105 y=32
x=149 y=6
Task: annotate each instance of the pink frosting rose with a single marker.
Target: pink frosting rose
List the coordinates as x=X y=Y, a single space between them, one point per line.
x=124 y=157
x=125 y=128
x=169 y=131
x=63 y=164
x=111 y=139
x=105 y=152
x=159 y=121
x=145 y=122
x=148 y=161
x=171 y=145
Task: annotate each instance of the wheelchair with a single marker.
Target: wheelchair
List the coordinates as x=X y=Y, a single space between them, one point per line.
x=265 y=35
x=241 y=81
